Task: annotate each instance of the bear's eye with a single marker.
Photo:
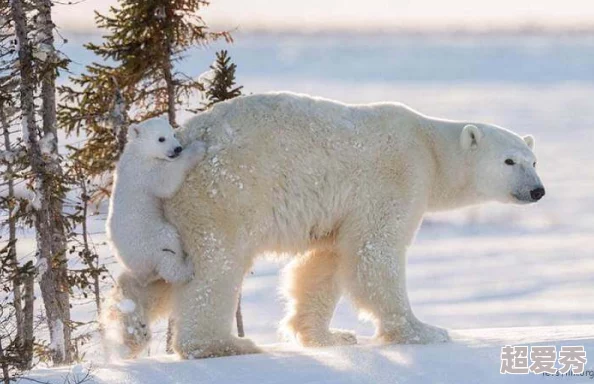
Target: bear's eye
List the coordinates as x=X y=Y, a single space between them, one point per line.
x=161 y=139
x=534 y=164
x=509 y=162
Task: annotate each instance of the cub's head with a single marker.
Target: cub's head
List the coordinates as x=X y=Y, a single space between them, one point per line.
x=154 y=139
x=505 y=164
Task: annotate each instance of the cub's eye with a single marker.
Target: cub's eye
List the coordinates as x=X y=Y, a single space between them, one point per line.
x=509 y=162
x=534 y=164
x=161 y=139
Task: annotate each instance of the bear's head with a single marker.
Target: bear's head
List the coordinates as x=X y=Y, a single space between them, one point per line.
x=505 y=164
x=154 y=139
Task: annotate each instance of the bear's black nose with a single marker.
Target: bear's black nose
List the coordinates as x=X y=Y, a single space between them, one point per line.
x=537 y=194
x=178 y=150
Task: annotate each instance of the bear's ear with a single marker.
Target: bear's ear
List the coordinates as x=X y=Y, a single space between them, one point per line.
x=529 y=140
x=133 y=132
x=470 y=137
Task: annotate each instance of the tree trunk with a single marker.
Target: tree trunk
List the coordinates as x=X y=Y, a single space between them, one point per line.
x=24 y=339
x=119 y=118
x=28 y=338
x=16 y=280
x=45 y=27
x=170 y=94
x=5 y=373
x=48 y=217
x=169 y=337
x=55 y=204
x=239 y=319
x=168 y=75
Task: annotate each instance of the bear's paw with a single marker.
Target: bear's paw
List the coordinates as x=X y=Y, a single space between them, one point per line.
x=218 y=348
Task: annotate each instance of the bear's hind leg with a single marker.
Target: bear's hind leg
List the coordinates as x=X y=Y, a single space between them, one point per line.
x=312 y=291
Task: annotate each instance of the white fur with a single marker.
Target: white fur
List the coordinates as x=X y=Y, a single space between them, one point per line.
x=148 y=171
x=129 y=311
x=344 y=189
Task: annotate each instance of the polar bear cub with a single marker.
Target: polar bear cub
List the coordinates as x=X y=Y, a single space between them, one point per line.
x=152 y=167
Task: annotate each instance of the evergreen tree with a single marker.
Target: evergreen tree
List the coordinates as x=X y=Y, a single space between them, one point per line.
x=57 y=289
x=221 y=86
x=16 y=310
x=38 y=64
x=144 y=38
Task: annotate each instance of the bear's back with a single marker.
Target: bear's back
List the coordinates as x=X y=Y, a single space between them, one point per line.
x=286 y=113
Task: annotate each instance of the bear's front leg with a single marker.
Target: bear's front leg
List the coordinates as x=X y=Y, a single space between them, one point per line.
x=375 y=278
x=378 y=287
x=205 y=308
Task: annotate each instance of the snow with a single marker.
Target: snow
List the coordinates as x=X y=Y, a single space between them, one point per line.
x=79 y=370
x=42 y=50
x=21 y=191
x=41 y=268
x=47 y=143
x=57 y=343
x=7 y=156
x=25 y=131
x=40 y=54
x=37 y=194
x=207 y=77
x=472 y=357
x=126 y=306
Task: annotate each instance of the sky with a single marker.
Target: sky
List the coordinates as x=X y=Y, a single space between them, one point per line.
x=368 y=14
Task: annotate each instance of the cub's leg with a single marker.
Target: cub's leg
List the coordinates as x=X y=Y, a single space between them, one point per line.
x=132 y=308
x=312 y=290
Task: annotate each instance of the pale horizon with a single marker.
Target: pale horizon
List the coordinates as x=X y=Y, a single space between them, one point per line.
x=312 y=15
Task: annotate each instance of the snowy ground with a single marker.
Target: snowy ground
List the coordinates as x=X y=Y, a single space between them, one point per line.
x=472 y=357
x=489 y=267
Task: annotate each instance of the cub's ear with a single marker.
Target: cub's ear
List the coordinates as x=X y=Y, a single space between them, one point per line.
x=133 y=132
x=470 y=137
x=529 y=140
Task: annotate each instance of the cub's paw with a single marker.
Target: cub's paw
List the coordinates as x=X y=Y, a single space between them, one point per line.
x=127 y=329
x=175 y=270
x=196 y=151
x=135 y=338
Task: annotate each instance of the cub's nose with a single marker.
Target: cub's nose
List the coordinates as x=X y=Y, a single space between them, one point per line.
x=537 y=193
x=179 y=149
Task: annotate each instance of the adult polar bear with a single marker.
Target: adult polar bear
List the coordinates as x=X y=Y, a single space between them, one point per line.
x=343 y=187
